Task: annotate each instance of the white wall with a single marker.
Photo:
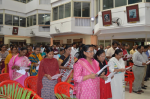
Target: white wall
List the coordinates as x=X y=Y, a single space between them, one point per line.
x=22 y=7
x=120 y=12
x=67 y=25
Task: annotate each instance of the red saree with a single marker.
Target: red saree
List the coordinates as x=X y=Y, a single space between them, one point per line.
x=105 y=89
x=47 y=66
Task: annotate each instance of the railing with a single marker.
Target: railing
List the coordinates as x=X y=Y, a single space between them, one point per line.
x=82 y=21
x=45 y=2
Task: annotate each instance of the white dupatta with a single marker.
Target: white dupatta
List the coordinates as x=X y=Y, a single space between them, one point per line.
x=117 y=83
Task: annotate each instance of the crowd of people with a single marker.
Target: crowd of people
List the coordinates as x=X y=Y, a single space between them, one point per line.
x=79 y=64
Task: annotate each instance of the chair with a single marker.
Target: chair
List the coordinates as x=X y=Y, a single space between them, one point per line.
x=31 y=82
x=33 y=94
x=63 y=88
x=3 y=71
x=4 y=76
x=129 y=78
x=11 y=82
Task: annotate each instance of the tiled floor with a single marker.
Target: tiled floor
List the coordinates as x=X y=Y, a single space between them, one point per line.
x=145 y=95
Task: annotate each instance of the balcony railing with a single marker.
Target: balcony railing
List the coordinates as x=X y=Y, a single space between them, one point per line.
x=82 y=21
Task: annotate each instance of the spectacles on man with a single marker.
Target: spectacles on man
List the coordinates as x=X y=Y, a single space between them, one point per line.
x=90 y=51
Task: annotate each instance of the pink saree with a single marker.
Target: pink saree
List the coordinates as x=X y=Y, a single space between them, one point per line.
x=21 y=62
x=88 y=89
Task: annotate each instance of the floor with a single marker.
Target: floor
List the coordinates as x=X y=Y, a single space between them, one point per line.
x=145 y=95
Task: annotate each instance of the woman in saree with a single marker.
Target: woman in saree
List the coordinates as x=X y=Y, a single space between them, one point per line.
x=116 y=64
x=66 y=62
x=3 y=55
x=48 y=68
x=16 y=62
x=87 y=82
x=14 y=52
x=35 y=57
x=105 y=89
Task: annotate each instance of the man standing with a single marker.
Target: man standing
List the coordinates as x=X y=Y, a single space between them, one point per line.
x=73 y=49
x=111 y=50
x=146 y=60
x=132 y=51
x=138 y=69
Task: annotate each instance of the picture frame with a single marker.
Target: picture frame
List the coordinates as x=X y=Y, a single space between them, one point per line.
x=15 y=31
x=107 y=18
x=132 y=13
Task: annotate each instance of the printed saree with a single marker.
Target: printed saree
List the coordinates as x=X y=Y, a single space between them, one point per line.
x=34 y=59
x=21 y=62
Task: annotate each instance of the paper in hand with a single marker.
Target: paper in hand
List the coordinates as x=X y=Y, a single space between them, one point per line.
x=24 y=68
x=108 y=80
x=21 y=71
x=148 y=62
x=101 y=70
x=128 y=68
x=37 y=67
x=56 y=76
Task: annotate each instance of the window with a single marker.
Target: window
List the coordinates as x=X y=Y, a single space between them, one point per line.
x=77 y=9
x=147 y=0
x=47 y=19
x=22 y=22
x=31 y=20
x=97 y=6
x=15 y=20
x=8 y=19
x=41 y=19
x=23 y=1
x=34 y=19
x=85 y=12
x=44 y=19
x=28 y=21
x=67 y=10
x=120 y=3
x=85 y=9
x=1 y=18
x=107 y=4
x=134 y=1
x=55 y=13
x=61 y=11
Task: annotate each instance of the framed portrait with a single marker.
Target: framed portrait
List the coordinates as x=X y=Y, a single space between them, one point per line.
x=132 y=13
x=15 y=31
x=107 y=19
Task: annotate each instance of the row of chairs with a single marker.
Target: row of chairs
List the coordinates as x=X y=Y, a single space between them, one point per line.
x=31 y=83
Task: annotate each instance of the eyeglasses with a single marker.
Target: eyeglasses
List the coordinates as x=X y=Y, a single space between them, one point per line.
x=90 y=51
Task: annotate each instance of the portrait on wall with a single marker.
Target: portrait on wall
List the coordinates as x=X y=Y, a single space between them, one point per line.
x=107 y=19
x=132 y=13
x=15 y=31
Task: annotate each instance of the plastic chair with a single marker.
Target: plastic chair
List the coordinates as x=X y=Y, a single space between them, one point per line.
x=4 y=76
x=31 y=82
x=129 y=78
x=33 y=94
x=3 y=71
x=63 y=88
x=11 y=82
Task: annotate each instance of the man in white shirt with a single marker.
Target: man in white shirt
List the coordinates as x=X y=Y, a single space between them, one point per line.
x=146 y=60
x=138 y=69
x=111 y=50
x=73 y=49
x=107 y=48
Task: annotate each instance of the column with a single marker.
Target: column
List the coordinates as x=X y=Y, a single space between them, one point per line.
x=94 y=39
x=51 y=41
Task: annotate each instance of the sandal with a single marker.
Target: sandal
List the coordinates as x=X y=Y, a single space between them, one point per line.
x=138 y=92
x=141 y=91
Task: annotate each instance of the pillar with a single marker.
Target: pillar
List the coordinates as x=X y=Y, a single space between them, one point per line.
x=51 y=41
x=94 y=39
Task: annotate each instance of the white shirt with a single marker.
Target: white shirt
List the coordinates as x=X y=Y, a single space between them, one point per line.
x=73 y=51
x=110 y=52
x=145 y=57
x=138 y=59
